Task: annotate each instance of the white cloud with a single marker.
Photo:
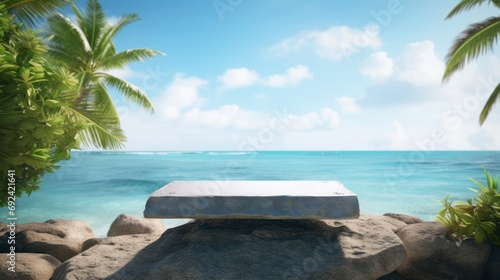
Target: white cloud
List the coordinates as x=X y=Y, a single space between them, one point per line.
x=336 y=43
x=348 y=104
x=394 y=138
x=180 y=94
x=244 y=77
x=378 y=66
x=327 y=118
x=330 y=117
x=304 y=122
x=419 y=65
x=293 y=75
x=238 y=77
x=226 y=116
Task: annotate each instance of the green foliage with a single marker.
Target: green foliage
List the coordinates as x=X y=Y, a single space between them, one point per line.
x=86 y=47
x=31 y=11
x=37 y=128
x=53 y=98
x=478 y=39
x=478 y=217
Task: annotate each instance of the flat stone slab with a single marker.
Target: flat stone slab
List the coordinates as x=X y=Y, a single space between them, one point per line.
x=253 y=200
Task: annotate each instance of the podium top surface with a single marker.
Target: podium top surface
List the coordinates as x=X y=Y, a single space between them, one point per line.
x=253 y=189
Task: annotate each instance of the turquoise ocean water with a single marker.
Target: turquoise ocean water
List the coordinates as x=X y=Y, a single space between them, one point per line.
x=98 y=186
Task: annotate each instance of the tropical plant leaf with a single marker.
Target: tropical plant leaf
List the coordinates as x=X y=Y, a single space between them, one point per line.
x=488 y=106
x=480 y=218
x=466 y=5
x=130 y=91
x=89 y=52
x=69 y=44
x=109 y=32
x=92 y=22
x=103 y=100
x=103 y=131
x=478 y=39
x=121 y=59
x=32 y=11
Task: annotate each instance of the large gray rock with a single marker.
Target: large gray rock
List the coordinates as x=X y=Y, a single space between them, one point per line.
x=246 y=249
x=62 y=239
x=431 y=255
x=103 y=257
x=28 y=266
x=407 y=219
x=493 y=265
x=125 y=224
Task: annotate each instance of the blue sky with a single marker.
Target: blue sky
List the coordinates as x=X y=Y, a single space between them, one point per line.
x=303 y=75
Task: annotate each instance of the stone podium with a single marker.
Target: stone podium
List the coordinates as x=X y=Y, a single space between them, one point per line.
x=277 y=200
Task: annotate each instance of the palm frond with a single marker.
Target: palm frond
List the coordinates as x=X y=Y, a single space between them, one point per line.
x=69 y=36
x=62 y=56
x=130 y=91
x=494 y=97
x=32 y=11
x=109 y=31
x=466 y=5
x=103 y=131
x=103 y=101
x=478 y=39
x=121 y=59
x=94 y=22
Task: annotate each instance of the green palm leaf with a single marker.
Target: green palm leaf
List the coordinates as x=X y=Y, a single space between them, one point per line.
x=105 y=40
x=87 y=49
x=92 y=21
x=130 y=91
x=102 y=131
x=32 y=11
x=472 y=42
x=121 y=59
x=466 y=5
x=494 y=97
x=68 y=41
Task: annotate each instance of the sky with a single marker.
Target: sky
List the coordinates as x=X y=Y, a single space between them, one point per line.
x=260 y=75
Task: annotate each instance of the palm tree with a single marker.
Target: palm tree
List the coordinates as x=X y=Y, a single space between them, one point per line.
x=31 y=11
x=477 y=39
x=87 y=49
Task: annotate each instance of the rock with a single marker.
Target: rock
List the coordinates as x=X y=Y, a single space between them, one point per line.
x=431 y=255
x=389 y=222
x=105 y=257
x=246 y=249
x=391 y=276
x=29 y=266
x=493 y=264
x=407 y=219
x=62 y=239
x=125 y=224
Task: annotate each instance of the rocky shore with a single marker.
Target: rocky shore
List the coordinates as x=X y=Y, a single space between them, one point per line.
x=389 y=246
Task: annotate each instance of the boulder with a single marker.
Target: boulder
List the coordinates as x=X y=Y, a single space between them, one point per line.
x=62 y=239
x=125 y=224
x=246 y=249
x=387 y=222
x=103 y=257
x=29 y=266
x=407 y=219
x=391 y=276
x=431 y=255
x=493 y=264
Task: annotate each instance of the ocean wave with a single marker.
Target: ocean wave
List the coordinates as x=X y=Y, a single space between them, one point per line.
x=232 y=153
x=162 y=153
